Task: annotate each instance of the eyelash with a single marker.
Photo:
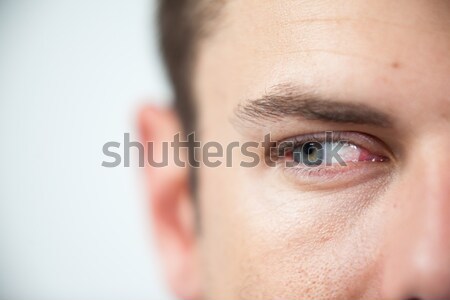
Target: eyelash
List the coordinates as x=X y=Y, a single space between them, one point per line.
x=365 y=144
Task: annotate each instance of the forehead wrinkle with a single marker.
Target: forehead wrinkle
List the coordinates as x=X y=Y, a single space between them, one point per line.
x=331 y=51
x=361 y=27
x=431 y=29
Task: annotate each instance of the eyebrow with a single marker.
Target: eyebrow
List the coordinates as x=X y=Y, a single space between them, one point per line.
x=285 y=101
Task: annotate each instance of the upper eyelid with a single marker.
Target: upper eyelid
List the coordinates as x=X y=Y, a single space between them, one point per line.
x=317 y=136
x=285 y=144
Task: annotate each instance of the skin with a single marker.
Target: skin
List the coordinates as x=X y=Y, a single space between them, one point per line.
x=373 y=230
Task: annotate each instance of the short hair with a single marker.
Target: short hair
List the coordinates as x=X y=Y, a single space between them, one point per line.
x=182 y=25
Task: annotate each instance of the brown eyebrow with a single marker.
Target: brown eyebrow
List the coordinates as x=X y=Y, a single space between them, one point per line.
x=286 y=101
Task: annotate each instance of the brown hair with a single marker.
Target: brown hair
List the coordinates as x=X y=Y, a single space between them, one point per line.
x=183 y=23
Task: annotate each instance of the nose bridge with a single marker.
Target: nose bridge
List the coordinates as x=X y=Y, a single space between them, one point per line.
x=431 y=192
x=435 y=188
x=418 y=259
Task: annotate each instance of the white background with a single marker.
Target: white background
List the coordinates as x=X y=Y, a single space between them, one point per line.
x=72 y=76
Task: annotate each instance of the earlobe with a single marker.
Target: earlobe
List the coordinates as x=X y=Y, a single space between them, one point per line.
x=170 y=202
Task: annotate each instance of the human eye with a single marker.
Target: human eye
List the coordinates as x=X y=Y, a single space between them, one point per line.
x=331 y=157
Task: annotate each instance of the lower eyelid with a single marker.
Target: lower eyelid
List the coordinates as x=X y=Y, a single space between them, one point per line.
x=336 y=177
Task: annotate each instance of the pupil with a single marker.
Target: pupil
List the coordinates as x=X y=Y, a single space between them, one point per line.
x=311 y=151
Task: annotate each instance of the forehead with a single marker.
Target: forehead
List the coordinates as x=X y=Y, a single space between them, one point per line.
x=371 y=50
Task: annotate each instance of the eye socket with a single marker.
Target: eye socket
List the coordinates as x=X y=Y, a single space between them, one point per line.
x=330 y=154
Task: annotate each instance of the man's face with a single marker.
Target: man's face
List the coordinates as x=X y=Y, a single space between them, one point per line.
x=376 y=73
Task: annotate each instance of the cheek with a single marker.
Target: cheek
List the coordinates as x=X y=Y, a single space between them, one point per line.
x=263 y=242
x=221 y=238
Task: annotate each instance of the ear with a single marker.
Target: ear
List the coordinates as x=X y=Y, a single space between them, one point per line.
x=171 y=204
